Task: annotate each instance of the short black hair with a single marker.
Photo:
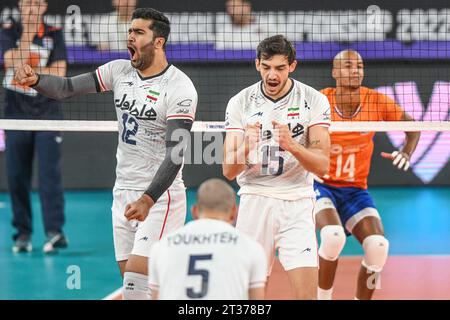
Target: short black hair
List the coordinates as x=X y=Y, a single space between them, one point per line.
x=160 y=23
x=276 y=45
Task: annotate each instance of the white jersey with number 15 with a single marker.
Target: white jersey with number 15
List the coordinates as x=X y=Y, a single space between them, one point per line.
x=277 y=173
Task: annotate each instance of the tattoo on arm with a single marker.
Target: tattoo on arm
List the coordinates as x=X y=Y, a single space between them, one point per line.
x=314 y=142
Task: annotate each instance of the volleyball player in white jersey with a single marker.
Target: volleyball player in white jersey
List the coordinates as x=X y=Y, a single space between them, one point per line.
x=155 y=104
x=208 y=258
x=284 y=123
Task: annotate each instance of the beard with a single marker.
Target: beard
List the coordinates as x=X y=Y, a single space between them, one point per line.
x=146 y=57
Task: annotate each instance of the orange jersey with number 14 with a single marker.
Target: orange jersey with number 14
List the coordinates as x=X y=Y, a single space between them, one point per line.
x=351 y=152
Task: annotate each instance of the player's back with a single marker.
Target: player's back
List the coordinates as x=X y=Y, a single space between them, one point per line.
x=207 y=259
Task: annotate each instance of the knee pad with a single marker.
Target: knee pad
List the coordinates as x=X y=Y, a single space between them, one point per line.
x=135 y=286
x=332 y=241
x=376 y=249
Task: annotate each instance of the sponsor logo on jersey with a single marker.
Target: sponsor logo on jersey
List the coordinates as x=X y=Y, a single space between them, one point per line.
x=144 y=112
x=259 y=114
x=183 y=111
x=306 y=250
x=297 y=129
x=185 y=103
x=129 y=286
x=327 y=115
x=306 y=105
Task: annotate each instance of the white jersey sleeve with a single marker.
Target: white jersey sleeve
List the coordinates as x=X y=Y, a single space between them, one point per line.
x=182 y=100
x=258 y=275
x=320 y=110
x=107 y=73
x=153 y=279
x=234 y=114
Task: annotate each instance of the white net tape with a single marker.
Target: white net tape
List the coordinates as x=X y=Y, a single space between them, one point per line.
x=217 y=126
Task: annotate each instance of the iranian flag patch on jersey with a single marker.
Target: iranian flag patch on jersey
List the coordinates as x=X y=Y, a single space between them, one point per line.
x=152 y=96
x=293 y=112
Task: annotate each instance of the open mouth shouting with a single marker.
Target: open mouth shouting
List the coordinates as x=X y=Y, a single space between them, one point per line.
x=132 y=51
x=272 y=85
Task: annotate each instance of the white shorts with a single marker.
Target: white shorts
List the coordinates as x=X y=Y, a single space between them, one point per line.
x=288 y=226
x=135 y=237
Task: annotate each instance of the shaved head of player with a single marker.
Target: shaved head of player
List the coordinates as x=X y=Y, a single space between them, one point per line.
x=215 y=200
x=348 y=69
x=233 y=265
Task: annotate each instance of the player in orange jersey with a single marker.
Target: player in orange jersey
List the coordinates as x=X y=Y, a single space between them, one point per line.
x=342 y=197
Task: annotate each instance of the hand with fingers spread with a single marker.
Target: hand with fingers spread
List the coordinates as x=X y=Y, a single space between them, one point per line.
x=399 y=159
x=283 y=136
x=139 y=209
x=25 y=76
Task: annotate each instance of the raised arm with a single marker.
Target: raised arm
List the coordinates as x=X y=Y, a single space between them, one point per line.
x=56 y=87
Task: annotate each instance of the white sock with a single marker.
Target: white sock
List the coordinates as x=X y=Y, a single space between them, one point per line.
x=324 y=294
x=135 y=286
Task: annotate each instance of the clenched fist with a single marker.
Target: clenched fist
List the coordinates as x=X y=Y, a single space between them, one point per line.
x=251 y=140
x=252 y=135
x=139 y=209
x=283 y=136
x=26 y=76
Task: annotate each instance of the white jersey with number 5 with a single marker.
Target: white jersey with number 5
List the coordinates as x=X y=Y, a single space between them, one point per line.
x=206 y=259
x=143 y=106
x=277 y=173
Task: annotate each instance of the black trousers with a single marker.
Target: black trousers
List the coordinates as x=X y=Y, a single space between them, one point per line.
x=20 y=147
